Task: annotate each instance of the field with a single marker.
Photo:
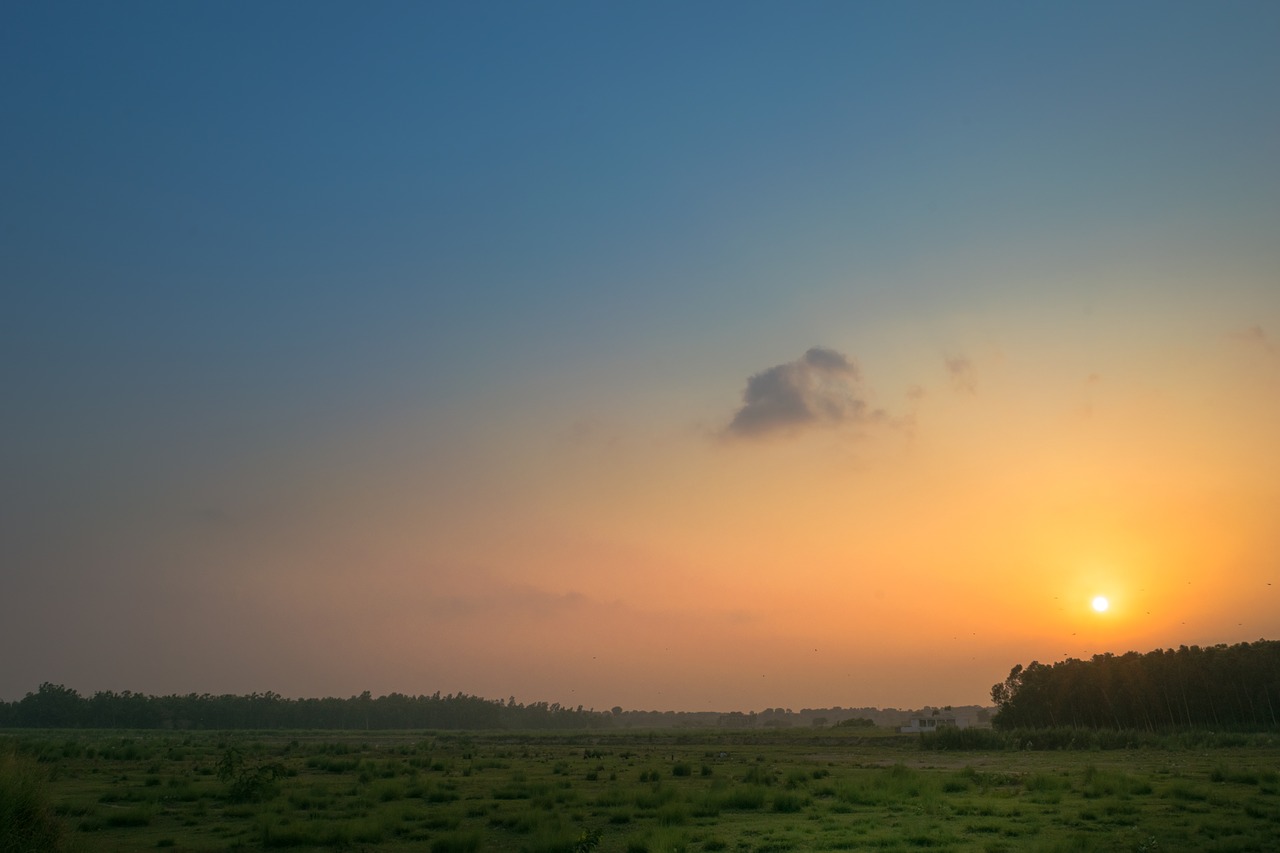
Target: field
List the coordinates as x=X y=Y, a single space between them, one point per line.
x=641 y=791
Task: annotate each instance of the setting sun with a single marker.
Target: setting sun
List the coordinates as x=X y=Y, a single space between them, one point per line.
x=763 y=375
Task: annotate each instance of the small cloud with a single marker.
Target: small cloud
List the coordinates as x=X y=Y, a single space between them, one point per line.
x=1254 y=336
x=505 y=601
x=964 y=376
x=820 y=387
x=915 y=392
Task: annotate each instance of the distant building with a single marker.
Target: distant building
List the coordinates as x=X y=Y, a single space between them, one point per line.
x=932 y=724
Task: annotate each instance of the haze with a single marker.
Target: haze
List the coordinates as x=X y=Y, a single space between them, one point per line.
x=681 y=356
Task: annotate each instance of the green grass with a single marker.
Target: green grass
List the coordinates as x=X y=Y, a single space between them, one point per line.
x=747 y=792
x=28 y=823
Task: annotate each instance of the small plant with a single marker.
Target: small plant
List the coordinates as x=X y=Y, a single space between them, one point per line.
x=128 y=818
x=247 y=784
x=456 y=843
x=589 y=840
x=788 y=803
x=27 y=821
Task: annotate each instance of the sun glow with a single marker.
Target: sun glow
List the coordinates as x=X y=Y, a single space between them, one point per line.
x=1100 y=604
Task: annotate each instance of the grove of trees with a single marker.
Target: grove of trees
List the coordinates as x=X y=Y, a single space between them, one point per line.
x=56 y=706
x=1218 y=687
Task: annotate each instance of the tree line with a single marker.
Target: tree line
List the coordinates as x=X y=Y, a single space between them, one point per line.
x=1217 y=687
x=56 y=706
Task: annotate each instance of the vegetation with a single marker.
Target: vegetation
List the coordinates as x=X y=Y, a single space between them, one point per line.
x=1171 y=750
x=57 y=706
x=1219 y=687
x=856 y=723
x=630 y=791
x=27 y=820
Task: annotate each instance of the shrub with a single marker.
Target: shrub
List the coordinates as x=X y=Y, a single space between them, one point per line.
x=856 y=723
x=284 y=835
x=1111 y=783
x=27 y=821
x=1045 y=783
x=672 y=814
x=457 y=843
x=247 y=784
x=788 y=803
x=745 y=798
x=140 y=816
x=949 y=738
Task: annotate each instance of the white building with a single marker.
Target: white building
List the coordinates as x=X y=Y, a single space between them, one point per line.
x=932 y=724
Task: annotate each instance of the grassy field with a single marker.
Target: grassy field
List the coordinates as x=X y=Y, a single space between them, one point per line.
x=628 y=791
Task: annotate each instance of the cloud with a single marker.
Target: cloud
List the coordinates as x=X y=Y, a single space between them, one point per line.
x=1255 y=336
x=819 y=388
x=508 y=603
x=964 y=376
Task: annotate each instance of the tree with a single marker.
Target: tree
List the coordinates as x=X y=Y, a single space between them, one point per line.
x=52 y=706
x=1217 y=687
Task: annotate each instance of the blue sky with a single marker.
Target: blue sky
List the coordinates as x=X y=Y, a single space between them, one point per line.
x=262 y=261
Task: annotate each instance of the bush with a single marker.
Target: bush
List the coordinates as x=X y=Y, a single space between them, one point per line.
x=127 y=818
x=744 y=798
x=457 y=843
x=787 y=803
x=27 y=821
x=248 y=784
x=856 y=723
x=960 y=739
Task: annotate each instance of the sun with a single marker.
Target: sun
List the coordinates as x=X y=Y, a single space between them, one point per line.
x=1101 y=604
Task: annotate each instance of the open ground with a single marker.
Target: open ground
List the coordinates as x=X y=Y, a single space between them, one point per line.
x=646 y=791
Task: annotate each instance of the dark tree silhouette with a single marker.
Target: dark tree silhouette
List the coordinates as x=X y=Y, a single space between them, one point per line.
x=1218 y=687
x=56 y=706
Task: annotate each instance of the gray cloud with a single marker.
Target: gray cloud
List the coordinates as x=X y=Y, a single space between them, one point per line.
x=1255 y=336
x=820 y=387
x=964 y=376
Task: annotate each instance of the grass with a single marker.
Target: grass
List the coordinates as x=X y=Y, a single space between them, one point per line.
x=630 y=791
x=28 y=823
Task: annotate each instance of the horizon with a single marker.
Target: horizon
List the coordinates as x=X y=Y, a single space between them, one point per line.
x=704 y=357
x=546 y=701
x=991 y=705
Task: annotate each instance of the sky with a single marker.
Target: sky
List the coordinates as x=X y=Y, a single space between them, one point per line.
x=676 y=356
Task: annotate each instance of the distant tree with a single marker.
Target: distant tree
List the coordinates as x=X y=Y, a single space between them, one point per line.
x=856 y=723
x=52 y=706
x=56 y=706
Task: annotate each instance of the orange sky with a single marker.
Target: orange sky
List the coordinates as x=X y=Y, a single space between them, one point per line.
x=614 y=549
x=721 y=358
